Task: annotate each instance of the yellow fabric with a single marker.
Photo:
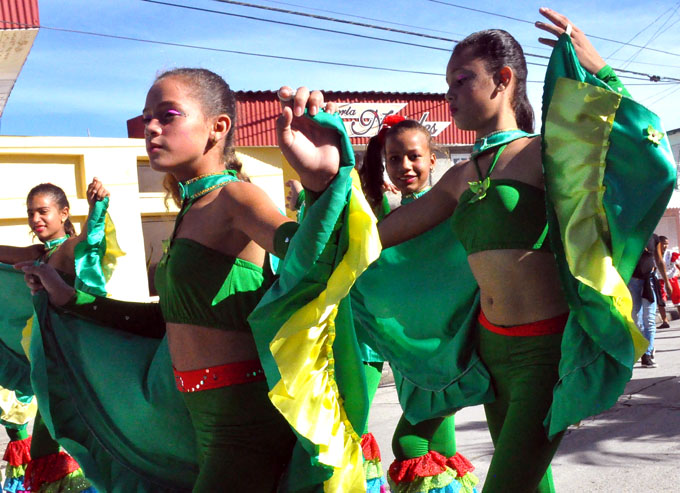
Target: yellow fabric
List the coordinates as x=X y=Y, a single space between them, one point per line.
x=113 y=250
x=26 y=337
x=581 y=215
x=15 y=411
x=307 y=394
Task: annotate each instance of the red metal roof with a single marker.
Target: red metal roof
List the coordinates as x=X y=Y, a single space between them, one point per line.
x=257 y=112
x=19 y=14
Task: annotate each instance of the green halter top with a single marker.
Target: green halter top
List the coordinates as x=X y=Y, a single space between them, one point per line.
x=201 y=286
x=502 y=213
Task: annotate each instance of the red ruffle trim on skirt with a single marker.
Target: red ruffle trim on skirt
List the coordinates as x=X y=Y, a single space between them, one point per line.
x=49 y=469
x=430 y=464
x=18 y=452
x=369 y=446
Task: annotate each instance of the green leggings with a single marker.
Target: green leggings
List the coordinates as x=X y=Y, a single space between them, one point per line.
x=373 y=372
x=523 y=372
x=42 y=443
x=243 y=443
x=411 y=441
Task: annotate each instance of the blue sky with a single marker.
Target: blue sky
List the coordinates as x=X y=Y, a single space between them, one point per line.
x=73 y=84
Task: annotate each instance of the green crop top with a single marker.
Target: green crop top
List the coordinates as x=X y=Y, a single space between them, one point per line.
x=501 y=214
x=201 y=286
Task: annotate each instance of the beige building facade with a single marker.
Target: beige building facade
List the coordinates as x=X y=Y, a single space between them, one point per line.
x=137 y=205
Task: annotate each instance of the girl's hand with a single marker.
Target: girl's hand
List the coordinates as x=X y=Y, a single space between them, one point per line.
x=44 y=277
x=96 y=192
x=295 y=187
x=589 y=57
x=313 y=151
x=389 y=187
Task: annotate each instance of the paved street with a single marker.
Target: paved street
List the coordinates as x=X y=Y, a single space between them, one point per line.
x=633 y=447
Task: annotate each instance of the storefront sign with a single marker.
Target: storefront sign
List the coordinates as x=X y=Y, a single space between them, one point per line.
x=365 y=119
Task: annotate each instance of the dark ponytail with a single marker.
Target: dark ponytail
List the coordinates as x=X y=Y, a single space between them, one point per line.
x=59 y=197
x=371 y=173
x=373 y=169
x=498 y=49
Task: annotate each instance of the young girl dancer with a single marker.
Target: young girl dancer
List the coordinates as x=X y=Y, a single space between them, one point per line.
x=48 y=217
x=501 y=219
x=212 y=275
x=409 y=160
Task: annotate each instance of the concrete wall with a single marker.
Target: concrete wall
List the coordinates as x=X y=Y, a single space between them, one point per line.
x=137 y=205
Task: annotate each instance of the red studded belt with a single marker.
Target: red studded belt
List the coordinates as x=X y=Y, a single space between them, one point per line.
x=219 y=376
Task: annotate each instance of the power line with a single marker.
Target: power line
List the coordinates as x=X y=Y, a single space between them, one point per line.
x=223 y=50
x=531 y=22
x=291 y=24
x=639 y=32
x=654 y=36
x=653 y=78
x=429 y=28
x=330 y=19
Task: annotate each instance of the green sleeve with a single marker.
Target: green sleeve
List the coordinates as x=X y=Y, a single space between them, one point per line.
x=282 y=237
x=143 y=319
x=608 y=76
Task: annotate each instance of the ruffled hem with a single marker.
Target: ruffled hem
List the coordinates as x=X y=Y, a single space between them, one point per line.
x=74 y=482
x=14 y=485
x=369 y=447
x=433 y=473
x=373 y=469
x=18 y=452
x=16 y=471
x=376 y=485
x=50 y=469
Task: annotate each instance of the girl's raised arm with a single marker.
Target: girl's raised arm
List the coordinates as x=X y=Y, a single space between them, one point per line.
x=411 y=220
x=313 y=151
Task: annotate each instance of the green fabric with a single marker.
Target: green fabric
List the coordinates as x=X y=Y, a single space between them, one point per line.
x=407 y=199
x=429 y=336
x=14 y=431
x=195 y=188
x=524 y=372
x=637 y=183
x=87 y=379
x=90 y=274
x=143 y=319
x=315 y=249
x=384 y=208
x=283 y=235
x=496 y=139
x=42 y=443
x=511 y=215
x=52 y=245
x=609 y=77
x=201 y=286
x=243 y=443
x=15 y=310
x=437 y=434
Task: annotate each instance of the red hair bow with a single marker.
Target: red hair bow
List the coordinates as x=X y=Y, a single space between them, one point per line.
x=388 y=122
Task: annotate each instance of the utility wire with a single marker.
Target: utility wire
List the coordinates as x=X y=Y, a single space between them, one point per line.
x=263 y=55
x=291 y=24
x=653 y=78
x=429 y=28
x=639 y=32
x=531 y=22
x=656 y=34
x=223 y=50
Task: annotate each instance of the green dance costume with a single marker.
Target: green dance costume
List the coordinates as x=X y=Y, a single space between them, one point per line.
x=609 y=175
x=243 y=442
x=45 y=467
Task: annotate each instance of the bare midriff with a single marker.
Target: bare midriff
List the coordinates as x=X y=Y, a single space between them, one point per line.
x=518 y=286
x=193 y=347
